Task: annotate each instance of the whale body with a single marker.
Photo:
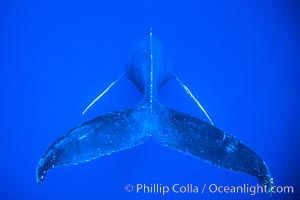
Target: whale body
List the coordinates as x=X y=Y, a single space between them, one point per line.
x=149 y=68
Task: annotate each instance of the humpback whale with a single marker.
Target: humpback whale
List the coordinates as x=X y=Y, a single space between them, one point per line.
x=149 y=68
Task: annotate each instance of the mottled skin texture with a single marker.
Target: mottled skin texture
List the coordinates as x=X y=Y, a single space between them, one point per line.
x=129 y=127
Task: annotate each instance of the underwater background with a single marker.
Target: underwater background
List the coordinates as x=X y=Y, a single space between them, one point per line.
x=240 y=59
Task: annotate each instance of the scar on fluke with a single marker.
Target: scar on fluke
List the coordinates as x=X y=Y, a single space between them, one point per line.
x=149 y=68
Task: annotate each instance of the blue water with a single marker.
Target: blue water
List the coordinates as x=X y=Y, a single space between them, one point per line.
x=240 y=59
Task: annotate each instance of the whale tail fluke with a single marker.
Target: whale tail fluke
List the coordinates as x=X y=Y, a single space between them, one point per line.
x=127 y=128
x=101 y=136
x=193 y=136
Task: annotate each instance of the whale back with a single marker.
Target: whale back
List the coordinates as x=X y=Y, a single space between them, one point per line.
x=138 y=68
